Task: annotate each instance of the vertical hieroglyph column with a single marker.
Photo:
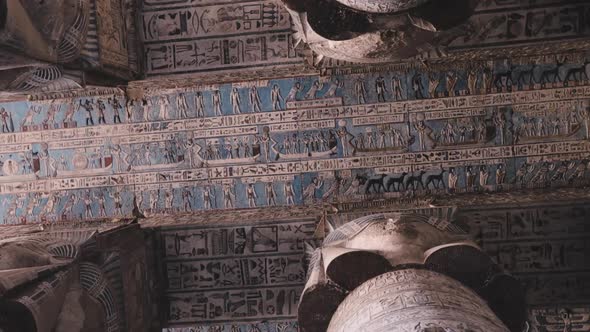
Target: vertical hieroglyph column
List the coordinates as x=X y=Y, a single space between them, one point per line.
x=414 y=300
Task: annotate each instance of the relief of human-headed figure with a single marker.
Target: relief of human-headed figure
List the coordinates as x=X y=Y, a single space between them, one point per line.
x=487 y=78
x=89 y=108
x=216 y=100
x=292 y=96
x=169 y=200
x=182 y=106
x=6 y=118
x=101 y=112
x=453 y=179
x=117 y=107
x=521 y=174
x=484 y=176
x=500 y=174
x=470 y=177
x=153 y=200
x=101 y=201
x=266 y=141
x=396 y=88
x=380 y=89
x=228 y=196
x=585 y=115
x=270 y=194
x=118 y=203
x=235 y=101
x=164 y=108
x=472 y=81
x=417 y=86
x=255 y=100
x=424 y=132
x=87 y=200
x=360 y=91
x=289 y=193
x=345 y=138
x=499 y=119
x=138 y=196
x=276 y=98
x=199 y=104
x=251 y=195
x=192 y=149
x=147 y=107
x=187 y=197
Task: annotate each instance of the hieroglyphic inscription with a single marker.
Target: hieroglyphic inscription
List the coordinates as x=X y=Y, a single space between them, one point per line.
x=245 y=273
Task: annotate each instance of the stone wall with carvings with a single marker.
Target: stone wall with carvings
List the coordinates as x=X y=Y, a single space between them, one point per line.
x=474 y=128
x=182 y=36
x=234 y=275
x=240 y=172
x=244 y=274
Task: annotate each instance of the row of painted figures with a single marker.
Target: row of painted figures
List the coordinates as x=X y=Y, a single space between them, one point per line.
x=394 y=88
x=98 y=203
x=181 y=151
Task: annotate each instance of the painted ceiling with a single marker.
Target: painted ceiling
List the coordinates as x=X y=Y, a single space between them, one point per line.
x=238 y=151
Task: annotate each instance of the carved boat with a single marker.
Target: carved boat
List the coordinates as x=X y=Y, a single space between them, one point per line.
x=531 y=139
x=18 y=178
x=384 y=150
x=221 y=162
x=144 y=168
x=85 y=172
x=313 y=155
x=458 y=144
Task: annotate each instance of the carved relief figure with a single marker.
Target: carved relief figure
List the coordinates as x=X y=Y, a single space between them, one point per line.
x=235 y=101
x=276 y=98
x=255 y=100
x=360 y=91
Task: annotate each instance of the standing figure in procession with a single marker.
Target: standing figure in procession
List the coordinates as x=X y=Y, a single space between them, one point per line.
x=254 y=100
x=360 y=91
x=235 y=101
x=380 y=89
x=182 y=106
x=276 y=98
x=200 y=104
x=216 y=99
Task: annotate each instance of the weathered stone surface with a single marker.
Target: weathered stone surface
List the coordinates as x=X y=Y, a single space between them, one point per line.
x=414 y=300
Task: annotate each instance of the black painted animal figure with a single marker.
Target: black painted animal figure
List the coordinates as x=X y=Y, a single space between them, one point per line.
x=415 y=181
x=397 y=183
x=436 y=180
x=553 y=73
x=362 y=179
x=577 y=73
x=524 y=73
x=375 y=184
